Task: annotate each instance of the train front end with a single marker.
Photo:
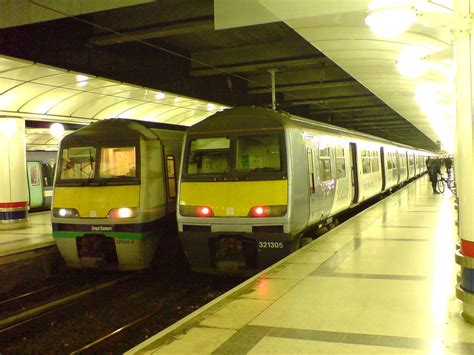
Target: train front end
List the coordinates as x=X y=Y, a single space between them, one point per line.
x=100 y=217
x=233 y=214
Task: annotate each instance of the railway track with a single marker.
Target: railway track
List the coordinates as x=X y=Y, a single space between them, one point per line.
x=12 y=320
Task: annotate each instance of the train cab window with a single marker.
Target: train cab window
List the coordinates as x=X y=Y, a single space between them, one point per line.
x=258 y=152
x=171 y=175
x=340 y=163
x=77 y=163
x=116 y=162
x=209 y=156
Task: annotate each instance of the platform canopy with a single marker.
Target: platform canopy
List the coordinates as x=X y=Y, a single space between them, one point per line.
x=40 y=92
x=338 y=29
x=34 y=91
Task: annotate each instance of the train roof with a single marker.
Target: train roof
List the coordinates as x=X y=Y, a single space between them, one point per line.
x=117 y=129
x=265 y=118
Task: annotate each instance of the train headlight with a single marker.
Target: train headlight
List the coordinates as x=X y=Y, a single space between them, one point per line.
x=123 y=212
x=267 y=211
x=65 y=212
x=196 y=211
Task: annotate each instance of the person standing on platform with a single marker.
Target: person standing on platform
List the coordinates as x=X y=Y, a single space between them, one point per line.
x=448 y=163
x=434 y=169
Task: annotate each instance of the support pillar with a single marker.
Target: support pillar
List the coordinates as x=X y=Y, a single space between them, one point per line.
x=464 y=56
x=13 y=182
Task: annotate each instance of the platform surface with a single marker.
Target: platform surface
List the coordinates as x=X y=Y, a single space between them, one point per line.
x=383 y=282
x=37 y=235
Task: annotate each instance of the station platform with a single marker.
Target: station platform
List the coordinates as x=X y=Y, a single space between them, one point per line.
x=382 y=282
x=27 y=254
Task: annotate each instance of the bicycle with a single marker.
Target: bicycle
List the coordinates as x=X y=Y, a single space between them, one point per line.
x=448 y=181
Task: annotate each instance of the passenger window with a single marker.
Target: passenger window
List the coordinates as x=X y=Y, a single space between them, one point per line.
x=365 y=161
x=324 y=152
x=171 y=176
x=340 y=163
x=340 y=168
x=325 y=169
x=34 y=174
x=375 y=164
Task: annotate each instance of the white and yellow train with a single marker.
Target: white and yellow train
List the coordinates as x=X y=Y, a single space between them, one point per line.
x=254 y=182
x=115 y=193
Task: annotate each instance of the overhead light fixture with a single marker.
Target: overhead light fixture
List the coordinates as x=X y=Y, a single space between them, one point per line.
x=56 y=130
x=390 y=18
x=8 y=127
x=211 y=107
x=411 y=62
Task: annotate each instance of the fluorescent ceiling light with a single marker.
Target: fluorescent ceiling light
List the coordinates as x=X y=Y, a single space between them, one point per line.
x=390 y=18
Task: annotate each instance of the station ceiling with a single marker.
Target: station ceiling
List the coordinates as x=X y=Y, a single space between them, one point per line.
x=172 y=46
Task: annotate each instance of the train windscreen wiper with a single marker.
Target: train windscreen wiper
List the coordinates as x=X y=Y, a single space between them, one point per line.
x=257 y=170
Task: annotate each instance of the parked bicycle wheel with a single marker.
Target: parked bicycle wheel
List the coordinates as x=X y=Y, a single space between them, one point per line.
x=440 y=185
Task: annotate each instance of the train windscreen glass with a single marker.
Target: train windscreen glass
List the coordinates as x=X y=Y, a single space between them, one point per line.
x=117 y=162
x=258 y=153
x=78 y=163
x=209 y=156
x=235 y=155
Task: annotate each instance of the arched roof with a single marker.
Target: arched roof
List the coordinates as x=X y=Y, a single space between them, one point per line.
x=35 y=91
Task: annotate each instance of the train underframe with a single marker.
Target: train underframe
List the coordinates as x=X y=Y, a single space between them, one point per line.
x=235 y=253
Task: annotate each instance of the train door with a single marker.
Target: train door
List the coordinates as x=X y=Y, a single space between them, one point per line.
x=171 y=156
x=382 y=162
x=311 y=175
x=354 y=172
x=35 y=184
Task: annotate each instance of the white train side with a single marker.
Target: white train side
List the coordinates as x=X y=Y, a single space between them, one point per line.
x=254 y=182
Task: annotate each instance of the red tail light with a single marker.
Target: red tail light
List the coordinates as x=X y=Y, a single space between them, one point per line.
x=204 y=211
x=267 y=211
x=260 y=211
x=196 y=211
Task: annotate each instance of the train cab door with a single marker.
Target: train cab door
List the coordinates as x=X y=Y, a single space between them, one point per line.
x=35 y=184
x=171 y=156
x=354 y=172
x=311 y=175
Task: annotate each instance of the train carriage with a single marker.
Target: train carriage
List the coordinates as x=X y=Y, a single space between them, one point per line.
x=115 y=193
x=254 y=182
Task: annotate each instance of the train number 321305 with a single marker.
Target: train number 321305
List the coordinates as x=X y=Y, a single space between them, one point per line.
x=274 y=245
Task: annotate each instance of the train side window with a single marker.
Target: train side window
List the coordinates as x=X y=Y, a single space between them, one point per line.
x=375 y=164
x=340 y=163
x=325 y=169
x=365 y=162
x=171 y=175
x=309 y=157
x=34 y=174
x=375 y=161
